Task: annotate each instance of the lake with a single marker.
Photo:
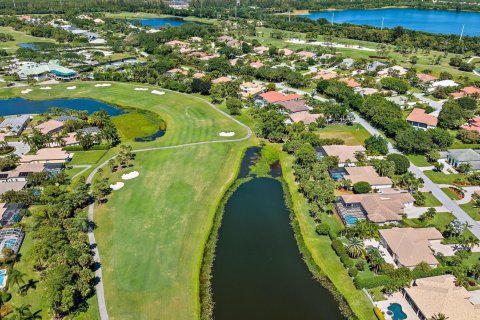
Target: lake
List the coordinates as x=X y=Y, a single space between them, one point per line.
x=434 y=21
x=160 y=22
x=258 y=272
x=17 y=106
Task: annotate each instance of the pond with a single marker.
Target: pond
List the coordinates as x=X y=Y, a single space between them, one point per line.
x=160 y=22
x=258 y=272
x=16 y=106
x=434 y=21
x=32 y=46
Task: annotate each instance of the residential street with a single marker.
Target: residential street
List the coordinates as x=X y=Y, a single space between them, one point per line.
x=437 y=105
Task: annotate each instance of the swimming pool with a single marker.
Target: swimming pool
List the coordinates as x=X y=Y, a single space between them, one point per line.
x=10 y=243
x=350 y=220
x=396 y=312
x=3 y=278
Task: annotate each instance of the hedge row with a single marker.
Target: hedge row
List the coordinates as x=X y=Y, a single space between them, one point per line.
x=378 y=313
x=339 y=249
x=80 y=148
x=417 y=274
x=369 y=282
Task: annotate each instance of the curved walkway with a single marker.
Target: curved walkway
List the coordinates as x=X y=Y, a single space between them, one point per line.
x=102 y=306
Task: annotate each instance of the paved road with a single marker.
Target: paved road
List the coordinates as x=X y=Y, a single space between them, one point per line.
x=282 y=86
x=102 y=306
x=437 y=105
x=448 y=203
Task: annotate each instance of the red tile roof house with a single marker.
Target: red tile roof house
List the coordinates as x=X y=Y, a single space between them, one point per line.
x=304 y=117
x=351 y=83
x=50 y=126
x=260 y=50
x=426 y=77
x=286 y=52
x=306 y=54
x=473 y=125
x=275 y=97
x=421 y=120
x=467 y=91
x=221 y=80
x=294 y=106
x=256 y=65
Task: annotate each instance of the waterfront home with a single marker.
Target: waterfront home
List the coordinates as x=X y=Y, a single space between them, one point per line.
x=367 y=174
x=10 y=213
x=294 y=106
x=304 y=117
x=21 y=172
x=11 y=238
x=90 y=130
x=50 y=126
x=410 y=246
x=378 y=208
x=397 y=71
x=71 y=139
x=250 y=89
x=47 y=155
x=419 y=119
x=66 y=118
x=14 y=125
x=431 y=296
x=42 y=71
x=456 y=157
x=345 y=154
x=275 y=97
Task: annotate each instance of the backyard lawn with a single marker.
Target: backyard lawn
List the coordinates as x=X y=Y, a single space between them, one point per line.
x=430 y=200
x=451 y=194
x=440 y=177
x=471 y=210
x=418 y=160
x=352 y=135
x=160 y=220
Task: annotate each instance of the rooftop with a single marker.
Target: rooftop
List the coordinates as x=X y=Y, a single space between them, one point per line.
x=49 y=126
x=46 y=154
x=464 y=155
x=294 y=105
x=304 y=117
x=343 y=152
x=420 y=116
x=368 y=174
x=275 y=96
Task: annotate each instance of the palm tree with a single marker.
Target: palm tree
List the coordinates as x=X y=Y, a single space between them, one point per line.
x=439 y=316
x=24 y=313
x=461 y=280
x=16 y=277
x=375 y=259
x=355 y=247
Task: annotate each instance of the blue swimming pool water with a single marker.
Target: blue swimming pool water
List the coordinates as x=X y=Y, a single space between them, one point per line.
x=337 y=176
x=350 y=220
x=3 y=274
x=10 y=243
x=398 y=313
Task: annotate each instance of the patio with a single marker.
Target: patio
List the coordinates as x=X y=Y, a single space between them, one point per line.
x=383 y=251
x=397 y=297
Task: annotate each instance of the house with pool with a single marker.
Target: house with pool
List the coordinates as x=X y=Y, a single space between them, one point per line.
x=375 y=207
x=11 y=238
x=3 y=278
x=346 y=154
x=357 y=174
x=434 y=295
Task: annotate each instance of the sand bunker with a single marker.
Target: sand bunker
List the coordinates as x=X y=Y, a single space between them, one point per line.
x=26 y=91
x=45 y=88
x=72 y=88
x=117 y=186
x=103 y=85
x=226 y=134
x=141 y=89
x=130 y=175
x=158 y=92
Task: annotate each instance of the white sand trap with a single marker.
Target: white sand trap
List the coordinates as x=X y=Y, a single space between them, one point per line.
x=226 y=134
x=158 y=92
x=117 y=186
x=72 y=88
x=45 y=88
x=26 y=91
x=130 y=175
x=141 y=89
x=103 y=85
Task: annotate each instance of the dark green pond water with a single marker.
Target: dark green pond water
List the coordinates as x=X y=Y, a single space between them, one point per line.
x=258 y=271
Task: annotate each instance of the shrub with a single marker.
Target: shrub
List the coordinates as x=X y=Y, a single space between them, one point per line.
x=79 y=148
x=376 y=145
x=347 y=262
x=360 y=265
x=362 y=187
x=338 y=247
x=333 y=234
x=419 y=198
x=353 y=272
x=378 y=313
x=323 y=229
x=417 y=273
x=369 y=282
x=401 y=162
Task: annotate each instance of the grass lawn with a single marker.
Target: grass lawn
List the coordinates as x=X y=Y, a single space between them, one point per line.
x=20 y=37
x=377 y=294
x=471 y=210
x=451 y=194
x=87 y=157
x=430 y=200
x=440 y=177
x=418 y=160
x=152 y=232
x=73 y=171
x=440 y=221
x=352 y=135
x=135 y=125
x=322 y=253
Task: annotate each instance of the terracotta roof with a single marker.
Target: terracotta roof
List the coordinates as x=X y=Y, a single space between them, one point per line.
x=343 y=152
x=70 y=139
x=15 y=186
x=419 y=115
x=439 y=294
x=367 y=174
x=325 y=75
x=471 y=90
x=261 y=49
x=306 y=54
x=22 y=169
x=411 y=245
x=473 y=124
x=304 y=117
x=381 y=208
x=49 y=126
x=46 y=154
x=177 y=43
x=426 y=77
x=199 y=75
x=221 y=80
x=286 y=52
x=256 y=64
x=274 y=96
x=351 y=83
x=294 y=105
x=457 y=94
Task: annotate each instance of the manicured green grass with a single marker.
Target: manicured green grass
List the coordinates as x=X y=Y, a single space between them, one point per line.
x=352 y=135
x=20 y=37
x=430 y=200
x=440 y=177
x=440 y=221
x=377 y=294
x=471 y=210
x=87 y=157
x=321 y=251
x=418 y=160
x=450 y=193
x=135 y=125
x=73 y=171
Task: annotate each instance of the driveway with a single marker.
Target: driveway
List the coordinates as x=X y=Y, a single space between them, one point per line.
x=20 y=148
x=437 y=105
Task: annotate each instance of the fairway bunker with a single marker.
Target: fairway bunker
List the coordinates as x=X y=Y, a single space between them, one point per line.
x=117 y=186
x=131 y=175
x=226 y=134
